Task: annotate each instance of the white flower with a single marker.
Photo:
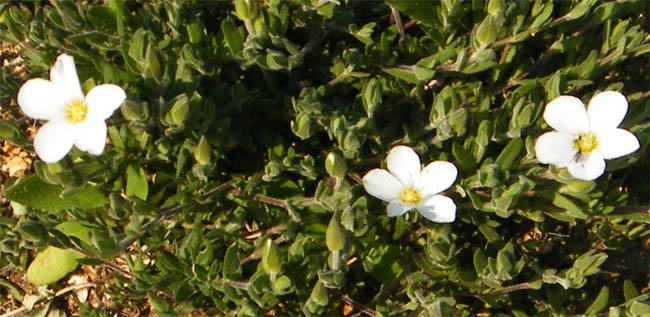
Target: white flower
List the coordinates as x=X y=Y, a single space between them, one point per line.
x=404 y=186
x=73 y=118
x=585 y=138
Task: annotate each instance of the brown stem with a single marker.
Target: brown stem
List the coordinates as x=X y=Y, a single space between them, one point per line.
x=276 y=229
x=505 y=290
x=398 y=23
x=168 y=212
x=231 y=283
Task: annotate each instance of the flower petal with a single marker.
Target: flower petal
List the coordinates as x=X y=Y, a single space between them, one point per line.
x=382 y=184
x=41 y=99
x=587 y=167
x=567 y=114
x=91 y=136
x=102 y=100
x=439 y=208
x=404 y=163
x=64 y=75
x=613 y=143
x=53 y=141
x=606 y=110
x=557 y=148
x=436 y=177
x=396 y=208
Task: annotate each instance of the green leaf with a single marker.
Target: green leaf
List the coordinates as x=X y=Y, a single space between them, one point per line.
x=490 y=234
x=629 y=290
x=159 y=304
x=153 y=67
x=136 y=182
x=480 y=261
x=423 y=10
x=231 y=268
x=639 y=309
x=506 y=258
x=233 y=35
x=196 y=32
x=53 y=264
x=510 y=153
x=282 y=283
x=372 y=94
x=383 y=263
x=572 y=209
x=403 y=74
x=581 y=9
x=606 y=11
x=137 y=45
x=103 y=18
x=13 y=290
x=34 y=192
x=463 y=157
x=599 y=303
x=363 y=34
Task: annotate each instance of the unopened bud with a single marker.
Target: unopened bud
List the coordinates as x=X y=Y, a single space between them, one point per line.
x=319 y=294
x=180 y=111
x=495 y=7
x=487 y=32
x=335 y=165
x=202 y=151
x=334 y=236
x=271 y=258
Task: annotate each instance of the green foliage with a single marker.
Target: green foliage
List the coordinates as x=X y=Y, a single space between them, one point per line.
x=231 y=182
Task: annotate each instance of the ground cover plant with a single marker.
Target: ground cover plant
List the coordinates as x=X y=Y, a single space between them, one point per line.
x=324 y=157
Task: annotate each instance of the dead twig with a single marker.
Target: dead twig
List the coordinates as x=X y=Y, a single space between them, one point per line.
x=60 y=293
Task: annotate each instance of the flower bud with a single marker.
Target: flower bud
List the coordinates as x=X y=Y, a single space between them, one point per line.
x=487 y=32
x=319 y=294
x=202 y=151
x=334 y=236
x=271 y=258
x=335 y=165
x=495 y=7
x=180 y=111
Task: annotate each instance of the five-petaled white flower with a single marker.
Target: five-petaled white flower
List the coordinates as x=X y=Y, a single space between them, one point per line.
x=585 y=137
x=404 y=186
x=73 y=118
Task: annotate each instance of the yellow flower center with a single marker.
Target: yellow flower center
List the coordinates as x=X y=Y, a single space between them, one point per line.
x=411 y=196
x=586 y=143
x=76 y=111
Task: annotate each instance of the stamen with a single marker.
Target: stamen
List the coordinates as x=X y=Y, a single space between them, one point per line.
x=586 y=143
x=410 y=196
x=76 y=111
